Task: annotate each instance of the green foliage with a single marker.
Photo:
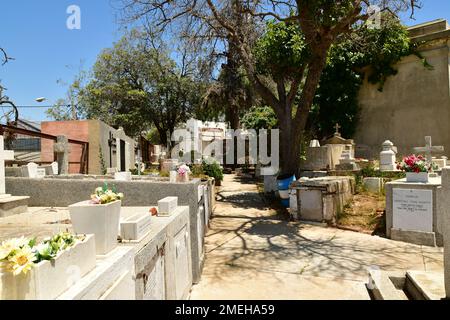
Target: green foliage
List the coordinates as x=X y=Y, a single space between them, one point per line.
x=213 y=170
x=370 y=53
x=260 y=117
x=102 y=161
x=153 y=136
x=137 y=86
x=281 y=51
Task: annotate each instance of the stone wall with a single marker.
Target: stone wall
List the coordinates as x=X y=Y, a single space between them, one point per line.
x=413 y=104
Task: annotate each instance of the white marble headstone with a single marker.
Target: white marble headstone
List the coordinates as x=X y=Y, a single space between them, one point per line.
x=32 y=170
x=412 y=209
x=54 y=166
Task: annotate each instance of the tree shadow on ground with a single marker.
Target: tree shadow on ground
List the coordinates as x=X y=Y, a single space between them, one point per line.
x=272 y=243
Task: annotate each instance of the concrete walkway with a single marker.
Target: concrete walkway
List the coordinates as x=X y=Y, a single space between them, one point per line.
x=253 y=253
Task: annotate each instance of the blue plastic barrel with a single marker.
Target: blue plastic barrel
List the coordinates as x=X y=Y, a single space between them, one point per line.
x=285 y=203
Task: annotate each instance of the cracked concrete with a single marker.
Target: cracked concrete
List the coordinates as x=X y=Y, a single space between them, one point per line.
x=254 y=253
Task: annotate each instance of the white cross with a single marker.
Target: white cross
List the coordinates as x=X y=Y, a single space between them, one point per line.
x=429 y=149
x=4 y=155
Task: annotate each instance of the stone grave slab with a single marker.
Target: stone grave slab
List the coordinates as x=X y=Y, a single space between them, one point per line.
x=167 y=206
x=136 y=226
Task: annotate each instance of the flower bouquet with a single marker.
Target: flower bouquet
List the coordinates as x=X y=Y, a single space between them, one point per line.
x=103 y=195
x=416 y=168
x=31 y=270
x=183 y=172
x=99 y=216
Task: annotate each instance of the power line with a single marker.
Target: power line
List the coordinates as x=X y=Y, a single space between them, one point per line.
x=32 y=107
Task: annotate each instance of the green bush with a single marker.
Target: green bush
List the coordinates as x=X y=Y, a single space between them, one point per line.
x=213 y=170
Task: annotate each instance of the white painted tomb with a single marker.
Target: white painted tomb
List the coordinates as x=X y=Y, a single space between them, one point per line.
x=156 y=254
x=412 y=211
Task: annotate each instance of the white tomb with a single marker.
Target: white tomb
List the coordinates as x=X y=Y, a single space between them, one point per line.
x=412 y=211
x=388 y=157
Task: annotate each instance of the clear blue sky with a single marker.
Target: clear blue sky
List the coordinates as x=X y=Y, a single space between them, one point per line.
x=35 y=34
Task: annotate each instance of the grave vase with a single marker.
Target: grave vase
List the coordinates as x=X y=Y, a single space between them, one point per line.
x=103 y=220
x=49 y=279
x=183 y=177
x=417 y=177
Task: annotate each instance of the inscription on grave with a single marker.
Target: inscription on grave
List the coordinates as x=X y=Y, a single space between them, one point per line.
x=413 y=209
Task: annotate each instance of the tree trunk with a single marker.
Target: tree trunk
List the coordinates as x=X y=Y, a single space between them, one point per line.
x=290 y=148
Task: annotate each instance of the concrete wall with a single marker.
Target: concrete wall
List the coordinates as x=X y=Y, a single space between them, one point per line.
x=413 y=104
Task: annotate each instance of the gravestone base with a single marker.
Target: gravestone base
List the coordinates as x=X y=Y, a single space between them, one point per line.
x=10 y=205
x=413 y=211
x=416 y=237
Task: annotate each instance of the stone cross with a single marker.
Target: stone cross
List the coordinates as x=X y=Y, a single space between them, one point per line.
x=61 y=149
x=337 y=127
x=4 y=155
x=429 y=149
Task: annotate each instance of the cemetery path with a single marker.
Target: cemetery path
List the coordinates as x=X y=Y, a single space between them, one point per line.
x=252 y=252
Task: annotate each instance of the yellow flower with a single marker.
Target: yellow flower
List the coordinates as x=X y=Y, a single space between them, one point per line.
x=21 y=261
x=11 y=245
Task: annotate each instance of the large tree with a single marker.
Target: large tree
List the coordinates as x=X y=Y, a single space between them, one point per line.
x=137 y=85
x=321 y=23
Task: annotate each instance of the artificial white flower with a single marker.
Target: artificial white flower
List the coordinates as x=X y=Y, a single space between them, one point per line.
x=10 y=245
x=22 y=261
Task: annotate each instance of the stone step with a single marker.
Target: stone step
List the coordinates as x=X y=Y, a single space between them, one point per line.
x=424 y=285
x=387 y=285
x=12 y=205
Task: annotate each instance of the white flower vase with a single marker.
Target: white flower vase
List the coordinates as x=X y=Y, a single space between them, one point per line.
x=103 y=220
x=417 y=177
x=49 y=279
x=183 y=177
